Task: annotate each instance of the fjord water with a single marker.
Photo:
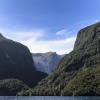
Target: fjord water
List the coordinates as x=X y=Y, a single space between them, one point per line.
x=50 y=98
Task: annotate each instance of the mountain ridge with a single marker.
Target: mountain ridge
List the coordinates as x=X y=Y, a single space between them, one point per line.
x=46 y=62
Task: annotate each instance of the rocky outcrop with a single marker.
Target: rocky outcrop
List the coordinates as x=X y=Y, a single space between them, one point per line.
x=16 y=62
x=46 y=62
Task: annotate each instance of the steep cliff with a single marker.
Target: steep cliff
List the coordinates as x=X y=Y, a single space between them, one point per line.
x=16 y=62
x=78 y=73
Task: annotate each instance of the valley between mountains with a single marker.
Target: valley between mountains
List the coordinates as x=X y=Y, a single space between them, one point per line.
x=49 y=74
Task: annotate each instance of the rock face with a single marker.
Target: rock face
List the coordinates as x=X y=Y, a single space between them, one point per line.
x=88 y=38
x=46 y=62
x=16 y=62
x=78 y=73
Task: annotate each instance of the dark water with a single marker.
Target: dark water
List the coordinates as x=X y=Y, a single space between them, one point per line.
x=49 y=98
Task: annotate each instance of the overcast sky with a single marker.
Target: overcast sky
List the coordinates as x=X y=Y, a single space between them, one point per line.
x=47 y=25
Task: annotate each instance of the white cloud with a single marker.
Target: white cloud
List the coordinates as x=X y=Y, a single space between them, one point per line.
x=59 y=46
x=34 y=41
x=35 y=34
x=64 y=32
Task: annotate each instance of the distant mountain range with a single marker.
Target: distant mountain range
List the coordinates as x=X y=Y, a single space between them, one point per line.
x=46 y=62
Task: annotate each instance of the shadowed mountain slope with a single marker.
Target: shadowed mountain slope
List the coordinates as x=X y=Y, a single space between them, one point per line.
x=16 y=62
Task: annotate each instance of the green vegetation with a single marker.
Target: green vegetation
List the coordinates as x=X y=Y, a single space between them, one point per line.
x=86 y=82
x=78 y=73
x=11 y=87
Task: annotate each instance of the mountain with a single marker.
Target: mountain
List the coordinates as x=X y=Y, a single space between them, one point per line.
x=78 y=73
x=46 y=62
x=16 y=62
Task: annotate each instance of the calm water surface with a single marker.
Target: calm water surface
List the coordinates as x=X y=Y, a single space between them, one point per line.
x=49 y=98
